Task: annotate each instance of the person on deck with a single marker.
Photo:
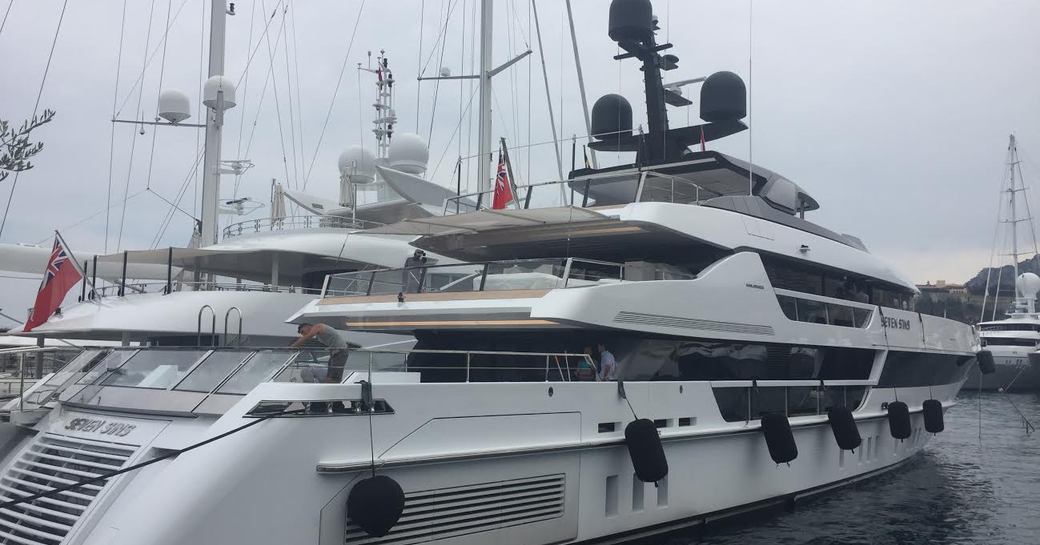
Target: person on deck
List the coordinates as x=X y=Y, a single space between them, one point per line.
x=607 y=364
x=332 y=340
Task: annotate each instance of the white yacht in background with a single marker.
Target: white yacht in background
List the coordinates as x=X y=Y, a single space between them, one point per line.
x=761 y=359
x=1014 y=338
x=239 y=289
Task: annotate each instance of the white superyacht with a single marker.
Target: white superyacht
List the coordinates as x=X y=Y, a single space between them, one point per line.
x=761 y=357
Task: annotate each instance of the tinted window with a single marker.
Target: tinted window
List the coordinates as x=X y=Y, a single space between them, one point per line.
x=154 y=369
x=805 y=310
x=738 y=404
x=922 y=369
x=1010 y=327
x=114 y=360
x=256 y=370
x=1007 y=341
x=212 y=371
x=723 y=360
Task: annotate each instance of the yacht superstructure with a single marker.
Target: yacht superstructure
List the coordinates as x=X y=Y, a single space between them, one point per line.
x=760 y=358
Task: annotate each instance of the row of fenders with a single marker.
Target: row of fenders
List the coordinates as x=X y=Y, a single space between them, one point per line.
x=376 y=503
x=782 y=447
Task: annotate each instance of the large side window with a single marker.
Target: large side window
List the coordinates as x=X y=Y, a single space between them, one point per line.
x=788 y=274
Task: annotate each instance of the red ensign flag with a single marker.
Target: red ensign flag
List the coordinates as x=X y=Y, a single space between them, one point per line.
x=61 y=275
x=503 y=189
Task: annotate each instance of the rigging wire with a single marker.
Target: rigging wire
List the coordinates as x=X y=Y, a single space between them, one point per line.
x=299 y=102
x=289 y=92
x=148 y=61
x=440 y=62
x=462 y=83
x=277 y=102
x=245 y=95
x=195 y=200
x=171 y=203
x=751 y=127
x=472 y=70
x=165 y=223
x=90 y=217
x=441 y=35
x=36 y=106
x=335 y=93
x=112 y=132
x=6 y=13
x=530 y=64
x=418 y=83
x=133 y=137
x=162 y=74
x=469 y=106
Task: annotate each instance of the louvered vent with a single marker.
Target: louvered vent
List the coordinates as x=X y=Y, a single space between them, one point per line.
x=49 y=462
x=447 y=512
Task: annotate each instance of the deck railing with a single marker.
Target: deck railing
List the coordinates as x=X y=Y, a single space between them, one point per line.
x=237 y=371
x=651 y=187
x=518 y=274
x=292 y=223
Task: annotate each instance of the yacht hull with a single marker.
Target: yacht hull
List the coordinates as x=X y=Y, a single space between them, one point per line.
x=479 y=463
x=1013 y=374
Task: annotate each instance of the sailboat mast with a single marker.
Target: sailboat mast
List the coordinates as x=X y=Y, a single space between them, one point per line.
x=1014 y=215
x=214 y=121
x=484 y=138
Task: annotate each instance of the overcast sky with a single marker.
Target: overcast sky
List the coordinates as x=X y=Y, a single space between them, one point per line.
x=893 y=114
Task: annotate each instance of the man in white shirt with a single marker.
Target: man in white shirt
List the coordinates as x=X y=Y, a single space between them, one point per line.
x=607 y=364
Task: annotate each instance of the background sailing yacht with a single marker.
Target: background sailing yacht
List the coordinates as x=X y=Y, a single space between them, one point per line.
x=1012 y=339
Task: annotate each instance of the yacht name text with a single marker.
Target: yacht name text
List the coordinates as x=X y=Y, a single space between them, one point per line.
x=102 y=427
x=895 y=323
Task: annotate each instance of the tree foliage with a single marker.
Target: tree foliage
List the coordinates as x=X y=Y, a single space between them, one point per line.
x=15 y=147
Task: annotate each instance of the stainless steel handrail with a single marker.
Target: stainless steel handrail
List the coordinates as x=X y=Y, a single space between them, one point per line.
x=292 y=223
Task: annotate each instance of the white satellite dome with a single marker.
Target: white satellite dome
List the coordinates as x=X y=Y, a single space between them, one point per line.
x=409 y=153
x=174 y=105
x=358 y=165
x=1028 y=285
x=215 y=84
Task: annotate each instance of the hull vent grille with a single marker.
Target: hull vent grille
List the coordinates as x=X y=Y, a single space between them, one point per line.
x=639 y=318
x=449 y=512
x=49 y=462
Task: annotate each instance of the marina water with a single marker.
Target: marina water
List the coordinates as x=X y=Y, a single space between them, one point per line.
x=960 y=490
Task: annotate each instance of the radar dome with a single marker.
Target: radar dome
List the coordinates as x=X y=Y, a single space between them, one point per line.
x=214 y=85
x=358 y=165
x=408 y=153
x=1028 y=285
x=174 y=105
x=611 y=117
x=723 y=97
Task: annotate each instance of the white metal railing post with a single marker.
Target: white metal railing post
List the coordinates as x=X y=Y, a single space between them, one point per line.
x=567 y=271
x=639 y=190
x=21 y=381
x=325 y=285
x=547 y=368
x=467 y=365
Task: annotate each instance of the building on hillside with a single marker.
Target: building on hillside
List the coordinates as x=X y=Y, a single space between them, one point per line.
x=941 y=291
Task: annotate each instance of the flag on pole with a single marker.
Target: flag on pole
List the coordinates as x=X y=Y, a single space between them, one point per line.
x=503 y=185
x=61 y=275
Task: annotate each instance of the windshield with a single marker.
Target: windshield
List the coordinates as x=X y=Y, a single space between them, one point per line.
x=213 y=370
x=159 y=369
x=257 y=369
